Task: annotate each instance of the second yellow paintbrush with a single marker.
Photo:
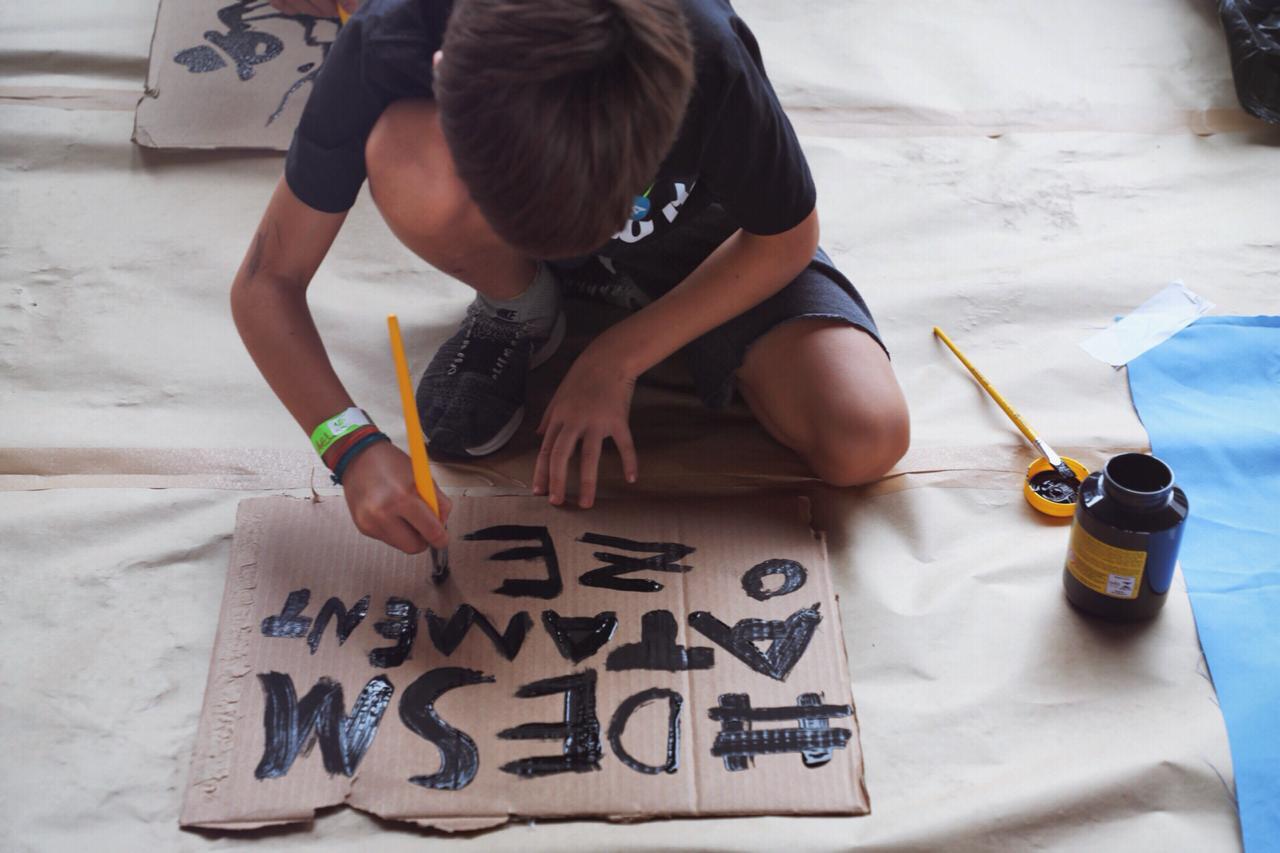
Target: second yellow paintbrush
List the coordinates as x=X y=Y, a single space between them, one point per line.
x=417 y=445
x=1051 y=487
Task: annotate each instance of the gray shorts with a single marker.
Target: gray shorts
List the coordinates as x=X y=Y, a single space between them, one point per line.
x=820 y=291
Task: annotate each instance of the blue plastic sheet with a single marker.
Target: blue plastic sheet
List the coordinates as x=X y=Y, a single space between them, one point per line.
x=1210 y=400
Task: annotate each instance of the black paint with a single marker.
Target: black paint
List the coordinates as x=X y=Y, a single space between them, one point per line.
x=619 y=724
x=666 y=557
x=658 y=649
x=200 y=59
x=348 y=620
x=1052 y=487
x=793 y=577
x=290 y=622
x=248 y=47
x=579 y=731
x=293 y=727
x=459 y=758
x=400 y=625
x=1131 y=504
x=309 y=37
x=580 y=637
x=447 y=636
x=788 y=640
x=545 y=551
x=243 y=44
x=737 y=742
x=439 y=565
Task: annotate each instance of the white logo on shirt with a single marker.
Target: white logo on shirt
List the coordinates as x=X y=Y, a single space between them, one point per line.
x=637 y=229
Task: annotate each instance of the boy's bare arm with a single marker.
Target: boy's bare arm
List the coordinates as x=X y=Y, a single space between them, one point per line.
x=269 y=304
x=594 y=399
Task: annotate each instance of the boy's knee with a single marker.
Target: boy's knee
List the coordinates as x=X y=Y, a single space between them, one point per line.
x=860 y=446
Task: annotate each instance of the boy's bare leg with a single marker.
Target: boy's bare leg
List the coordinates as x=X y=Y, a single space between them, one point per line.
x=825 y=389
x=426 y=205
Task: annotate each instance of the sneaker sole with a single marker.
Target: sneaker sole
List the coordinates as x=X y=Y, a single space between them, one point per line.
x=554 y=340
x=544 y=353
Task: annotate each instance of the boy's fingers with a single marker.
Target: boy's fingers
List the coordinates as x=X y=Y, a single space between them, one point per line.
x=542 y=467
x=397 y=533
x=588 y=466
x=627 y=450
x=566 y=443
x=446 y=505
x=423 y=521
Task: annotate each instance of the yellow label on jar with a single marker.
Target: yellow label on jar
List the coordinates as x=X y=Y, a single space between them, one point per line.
x=1114 y=572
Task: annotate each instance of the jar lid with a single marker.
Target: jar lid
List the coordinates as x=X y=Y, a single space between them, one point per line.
x=1043 y=504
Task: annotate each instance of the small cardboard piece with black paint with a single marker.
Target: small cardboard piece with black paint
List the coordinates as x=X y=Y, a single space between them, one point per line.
x=792 y=695
x=229 y=74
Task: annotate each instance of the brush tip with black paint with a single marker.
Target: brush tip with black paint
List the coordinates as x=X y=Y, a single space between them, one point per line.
x=439 y=564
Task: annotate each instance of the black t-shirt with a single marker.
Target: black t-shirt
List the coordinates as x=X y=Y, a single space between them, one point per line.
x=735 y=146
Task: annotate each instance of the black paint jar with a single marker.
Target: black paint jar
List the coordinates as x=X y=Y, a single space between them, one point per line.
x=1124 y=539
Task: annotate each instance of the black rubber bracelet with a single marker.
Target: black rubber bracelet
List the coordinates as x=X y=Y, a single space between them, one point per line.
x=352 y=452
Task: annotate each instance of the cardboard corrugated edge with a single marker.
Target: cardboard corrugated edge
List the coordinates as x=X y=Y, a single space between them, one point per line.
x=212 y=751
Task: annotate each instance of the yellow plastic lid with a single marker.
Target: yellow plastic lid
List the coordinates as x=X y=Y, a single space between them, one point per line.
x=1045 y=505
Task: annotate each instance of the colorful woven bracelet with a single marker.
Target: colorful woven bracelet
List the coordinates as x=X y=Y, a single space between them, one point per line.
x=336 y=427
x=352 y=452
x=339 y=447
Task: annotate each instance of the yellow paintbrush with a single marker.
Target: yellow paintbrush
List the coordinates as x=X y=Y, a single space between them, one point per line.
x=1045 y=496
x=417 y=445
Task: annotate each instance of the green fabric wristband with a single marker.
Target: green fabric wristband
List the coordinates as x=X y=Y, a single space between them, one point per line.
x=343 y=423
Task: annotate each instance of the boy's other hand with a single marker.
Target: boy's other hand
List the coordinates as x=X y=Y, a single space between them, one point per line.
x=385 y=504
x=315 y=8
x=592 y=403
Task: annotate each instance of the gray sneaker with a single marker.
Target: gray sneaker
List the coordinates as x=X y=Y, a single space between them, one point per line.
x=471 y=397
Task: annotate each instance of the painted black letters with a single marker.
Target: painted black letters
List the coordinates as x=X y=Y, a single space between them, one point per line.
x=348 y=620
x=580 y=730
x=658 y=649
x=788 y=639
x=447 y=636
x=580 y=637
x=459 y=758
x=546 y=551
x=793 y=577
x=292 y=726
x=290 y=622
x=619 y=724
x=665 y=558
x=400 y=625
x=738 y=743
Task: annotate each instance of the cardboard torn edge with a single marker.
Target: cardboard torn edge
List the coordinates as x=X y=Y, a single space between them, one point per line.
x=208 y=763
x=141 y=136
x=460 y=824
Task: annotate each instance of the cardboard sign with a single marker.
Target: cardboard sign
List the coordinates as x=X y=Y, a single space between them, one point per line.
x=680 y=657
x=229 y=73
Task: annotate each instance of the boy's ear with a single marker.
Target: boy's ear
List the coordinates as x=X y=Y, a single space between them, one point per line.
x=436 y=57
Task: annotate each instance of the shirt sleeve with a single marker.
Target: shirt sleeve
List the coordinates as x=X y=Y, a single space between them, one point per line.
x=325 y=165
x=753 y=163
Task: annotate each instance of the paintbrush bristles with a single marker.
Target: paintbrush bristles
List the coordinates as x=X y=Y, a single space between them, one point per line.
x=439 y=564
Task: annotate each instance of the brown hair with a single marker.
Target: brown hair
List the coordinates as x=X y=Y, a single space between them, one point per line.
x=558 y=112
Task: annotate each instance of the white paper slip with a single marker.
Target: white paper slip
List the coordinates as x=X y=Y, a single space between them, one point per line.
x=1154 y=322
